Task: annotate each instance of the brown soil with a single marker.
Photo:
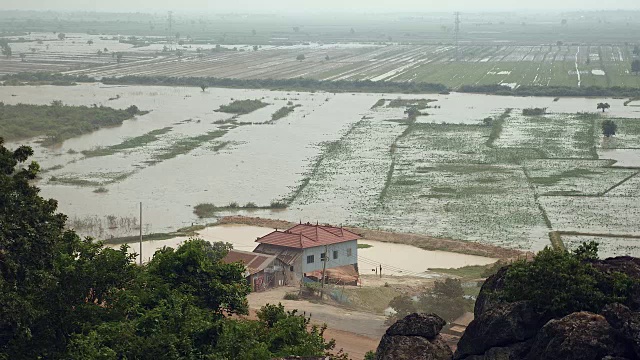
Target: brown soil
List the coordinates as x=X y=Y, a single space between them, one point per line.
x=421 y=241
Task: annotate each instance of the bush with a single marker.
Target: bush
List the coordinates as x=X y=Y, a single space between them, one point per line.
x=278 y=205
x=240 y=107
x=559 y=282
x=534 y=111
x=291 y=296
x=609 y=128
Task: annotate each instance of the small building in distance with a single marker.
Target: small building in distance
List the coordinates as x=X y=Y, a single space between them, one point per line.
x=262 y=271
x=304 y=248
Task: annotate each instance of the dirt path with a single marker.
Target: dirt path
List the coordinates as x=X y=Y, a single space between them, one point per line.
x=355 y=332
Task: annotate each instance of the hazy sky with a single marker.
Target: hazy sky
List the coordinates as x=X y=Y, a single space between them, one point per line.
x=315 y=5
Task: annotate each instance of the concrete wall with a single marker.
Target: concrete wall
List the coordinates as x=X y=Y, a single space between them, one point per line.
x=342 y=259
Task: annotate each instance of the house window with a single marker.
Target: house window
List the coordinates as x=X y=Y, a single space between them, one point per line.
x=349 y=252
x=310 y=259
x=335 y=254
x=323 y=256
x=291 y=268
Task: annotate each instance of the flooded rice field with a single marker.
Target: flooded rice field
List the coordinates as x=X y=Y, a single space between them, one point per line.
x=351 y=159
x=407 y=260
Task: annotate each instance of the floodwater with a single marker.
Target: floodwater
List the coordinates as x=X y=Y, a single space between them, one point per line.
x=623 y=157
x=406 y=259
x=242 y=237
x=260 y=162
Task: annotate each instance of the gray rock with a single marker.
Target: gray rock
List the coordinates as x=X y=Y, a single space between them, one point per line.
x=414 y=337
x=581 y=335
x=502 y=326
x=424 y=325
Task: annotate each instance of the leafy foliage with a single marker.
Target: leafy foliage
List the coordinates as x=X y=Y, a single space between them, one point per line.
x=446 y=299
x=242 y=106
x=635 y=66
x=560 y=282
x=603 y=106
x=62 y=297
x=534 y=111
x=609 y=128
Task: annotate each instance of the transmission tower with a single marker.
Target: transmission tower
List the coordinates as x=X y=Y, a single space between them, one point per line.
x=170 y=29
x=456 y=32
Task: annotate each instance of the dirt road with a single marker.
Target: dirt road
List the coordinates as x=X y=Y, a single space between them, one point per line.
x=355 y=332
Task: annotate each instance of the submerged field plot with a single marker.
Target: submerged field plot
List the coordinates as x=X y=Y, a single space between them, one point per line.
x=462 y=166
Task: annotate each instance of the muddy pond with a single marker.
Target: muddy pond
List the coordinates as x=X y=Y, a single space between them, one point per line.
x=407 y=260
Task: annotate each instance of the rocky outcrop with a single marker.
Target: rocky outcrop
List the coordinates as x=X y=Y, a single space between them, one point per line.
x=485 y=301
x=504 y=325
x=581 y=335
x=416 y=337
x=516 y=331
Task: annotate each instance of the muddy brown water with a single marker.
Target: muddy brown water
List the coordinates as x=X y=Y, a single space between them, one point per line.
x=406 y=259
x=261 y=163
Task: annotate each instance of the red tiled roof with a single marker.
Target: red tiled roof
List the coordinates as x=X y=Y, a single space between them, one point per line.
x=305 y=236
x=254 y=262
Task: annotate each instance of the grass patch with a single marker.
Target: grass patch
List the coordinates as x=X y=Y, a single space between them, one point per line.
x=184 y=146
x=534 y=111
x=496 y=127
x=240 y=107
x=101 y=190
x=58 y=122
x=470 y=272
x=419 y=104
x=378 y=104
x=556 y=178
x=132 y=143
x=209 y=210
x=283 y=112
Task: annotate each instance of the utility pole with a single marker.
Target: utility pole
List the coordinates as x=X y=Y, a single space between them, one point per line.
x=324 y=268
x=457 y=35
x=140 y=233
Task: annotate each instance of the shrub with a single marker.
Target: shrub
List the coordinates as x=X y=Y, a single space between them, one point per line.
x=278 y=205
x=609 y=128
x=534 y=111
x=291 y=296
x=559 y=282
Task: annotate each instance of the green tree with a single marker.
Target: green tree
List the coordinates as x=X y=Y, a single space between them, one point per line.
x=635 y=66
x=603 y=106
x=446 y=300
x=61 y=36
x=403 y=305
x=559 y=282
x=203 y=87
x=52 y=283
x=609 y=128
x=300 y=57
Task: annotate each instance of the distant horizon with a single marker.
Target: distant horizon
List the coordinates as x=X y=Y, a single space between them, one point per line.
x=325 y=6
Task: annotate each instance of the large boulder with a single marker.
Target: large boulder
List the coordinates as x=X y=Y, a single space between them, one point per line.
x=626 y=323
x=581 y=335
x=516 y=351
x=486 y=300
x=504 y=325
x=414 y=337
